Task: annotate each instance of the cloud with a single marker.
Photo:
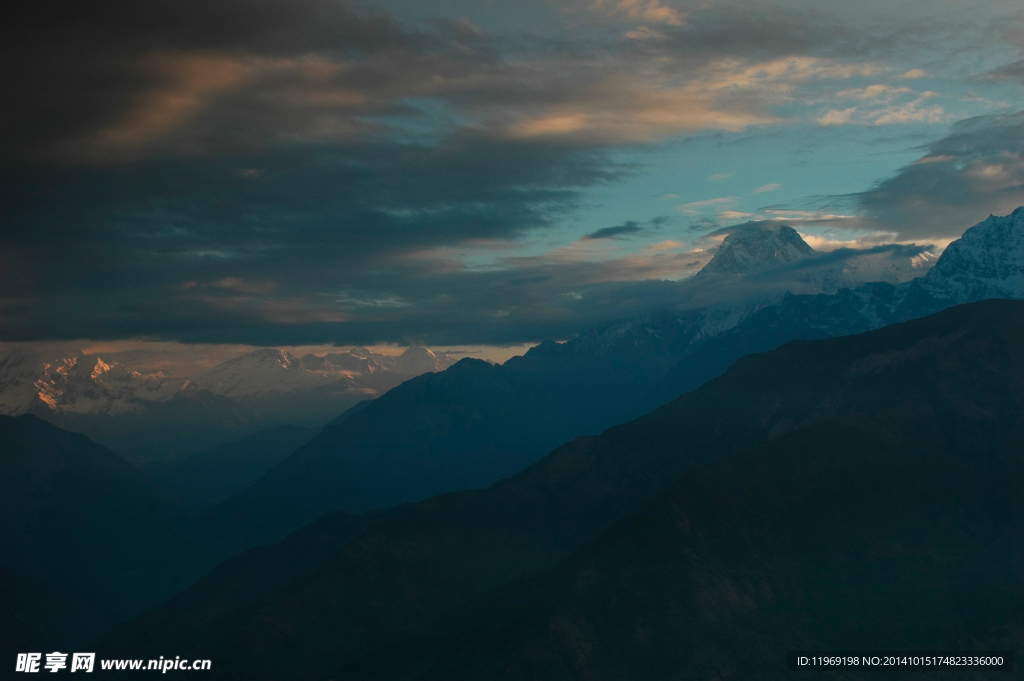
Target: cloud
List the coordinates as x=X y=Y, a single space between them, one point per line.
x=622 y=110
x=188 y=78
x=145 y=67
x=873 y=92
x=728 y=215
x=912 y=112
x=189 y=82
x=291 y=252
x=697 y=207
x=975 y=171
x=837 y=116
x=880 y=109
x=628 y=229
x=913 y=74
x=772 y=187
x=704 y=225
x=652 y=11
x=271 y=172
x=730 y=95
x=243 y=286
x=1012 y=71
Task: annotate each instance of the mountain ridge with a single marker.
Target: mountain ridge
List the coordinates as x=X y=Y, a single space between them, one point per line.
x=461 y=428
x=418 y=562
x=752 y=246
x=142 y=416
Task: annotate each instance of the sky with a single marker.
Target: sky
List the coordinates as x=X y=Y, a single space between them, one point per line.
x=198 y=176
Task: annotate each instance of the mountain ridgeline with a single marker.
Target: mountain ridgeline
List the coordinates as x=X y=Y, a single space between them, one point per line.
x=751 y=246
x=861 y=491
x=477 y=423
x=205 y=479
x=382 y=566
x=888 y=517
x=76 y=515
x=148 y=417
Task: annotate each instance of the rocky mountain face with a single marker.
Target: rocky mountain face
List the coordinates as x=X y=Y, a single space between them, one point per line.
x=986 y=262
x=78 y=384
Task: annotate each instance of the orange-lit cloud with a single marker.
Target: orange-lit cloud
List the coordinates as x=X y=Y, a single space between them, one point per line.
x=727 y=95
x=189 y=83
x=186 y=83
x=652 y=11
x=243 y=286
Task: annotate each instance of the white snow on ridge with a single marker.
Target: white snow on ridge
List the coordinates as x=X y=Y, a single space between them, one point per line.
x=757 y=265
x=755 y=270
x=986 y=262
x=754 y=246
x=88 y=384
x=77 y=384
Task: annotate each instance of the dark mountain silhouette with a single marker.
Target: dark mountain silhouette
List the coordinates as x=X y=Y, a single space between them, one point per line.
x=458 y=429
x=476 y=423
x=37 y=615
x=74 y=514
x=148 y=417
x=866 y=411
x=207 y=478
x=87 y=539
x=462 y=428
x=890 y=519
x=164 y=430
x=836 y=536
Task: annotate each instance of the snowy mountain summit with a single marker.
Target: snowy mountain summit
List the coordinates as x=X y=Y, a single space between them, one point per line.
x=754 y=246
x=986 y=262
x=82 y=384
x=77 y=384
x=760 y=267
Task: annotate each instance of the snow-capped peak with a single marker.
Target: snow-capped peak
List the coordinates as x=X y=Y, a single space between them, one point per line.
x=100 y=369
x=258 y=373
x=755 y=245
x=416 y=360
x=88 y=384
x=78 y=384
x=986 y=262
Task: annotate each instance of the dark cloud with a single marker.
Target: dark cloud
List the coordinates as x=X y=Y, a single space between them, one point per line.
x=201 y=248
x=125 y=81
x=1013 y=71
x=704 y=225
x=975 y=171
x=630 y=228
x=840 y=256
x=72 y=68
x=281 y=172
